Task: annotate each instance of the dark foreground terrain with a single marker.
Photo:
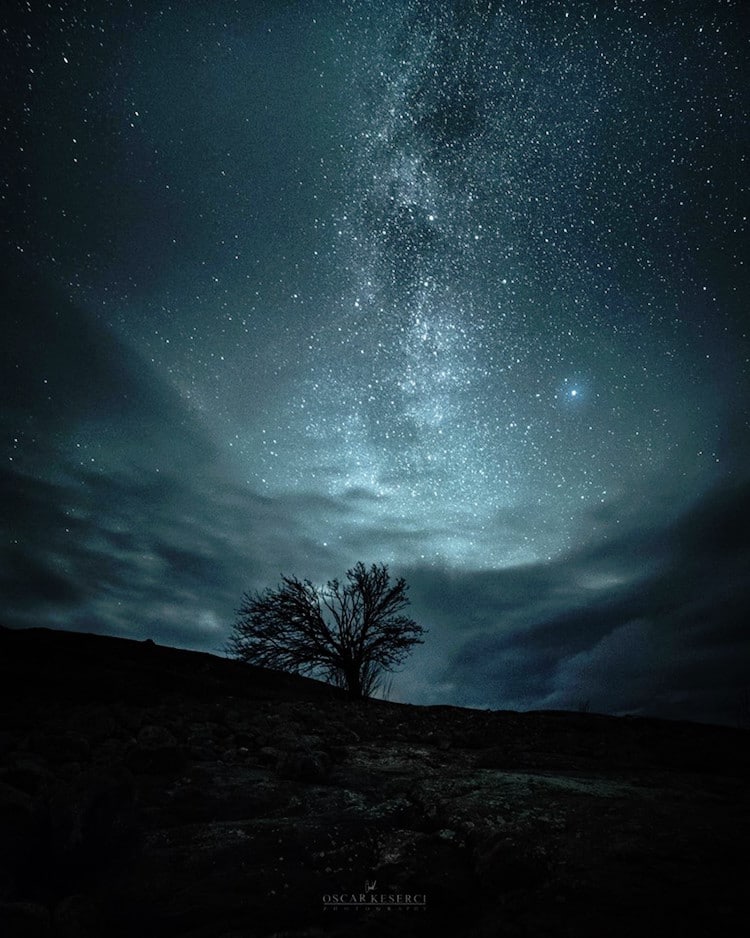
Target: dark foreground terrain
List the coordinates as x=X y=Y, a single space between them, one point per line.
x=146 y=791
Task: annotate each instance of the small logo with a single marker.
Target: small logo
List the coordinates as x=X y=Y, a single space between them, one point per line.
x=370 y=898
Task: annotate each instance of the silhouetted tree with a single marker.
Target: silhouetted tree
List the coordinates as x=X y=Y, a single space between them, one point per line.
x=348 y=633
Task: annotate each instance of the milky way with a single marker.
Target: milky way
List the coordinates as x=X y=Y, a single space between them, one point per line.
x=458 y=286
x=518 y=294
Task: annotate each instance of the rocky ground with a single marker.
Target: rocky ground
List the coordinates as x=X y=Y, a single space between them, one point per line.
x=146 y=791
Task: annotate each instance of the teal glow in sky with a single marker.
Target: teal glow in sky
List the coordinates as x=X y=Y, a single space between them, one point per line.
x=456 y=286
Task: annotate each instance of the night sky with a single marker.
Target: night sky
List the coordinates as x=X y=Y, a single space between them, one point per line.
x=456 y=286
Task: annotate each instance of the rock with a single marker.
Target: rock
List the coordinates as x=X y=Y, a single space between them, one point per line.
x=59 y=748
x=76 y=917
x=24 y=920
x=344 y=735
x=168 y=760
x=17 y=835
x=91 y=820
x=202 y=746
x=199 y=776
x=155 y=737
x=100 y=726
x=156 y=753
x=206 y=730
x=8 y=742
x=13 y=800
x=130 y=719
x=28 y=773
x=503 y=864
x=110 y=751
x=202 y=753
x=231 y=756
x=233 y=719
x=210 y=799
x=303 y=765
x=268 y=755
x=222 y=732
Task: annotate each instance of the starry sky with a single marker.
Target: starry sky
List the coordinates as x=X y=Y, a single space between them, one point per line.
x=458 y=286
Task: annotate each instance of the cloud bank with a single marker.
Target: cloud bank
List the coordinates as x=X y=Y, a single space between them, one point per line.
x=155 y=536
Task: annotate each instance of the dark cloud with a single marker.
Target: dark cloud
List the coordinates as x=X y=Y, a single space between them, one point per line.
x=652 y=622
x=106 y=468
x=69 y=379
x=27 y=577
x=120 y=517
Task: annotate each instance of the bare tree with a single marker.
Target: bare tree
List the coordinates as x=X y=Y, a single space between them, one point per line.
x=348 y=633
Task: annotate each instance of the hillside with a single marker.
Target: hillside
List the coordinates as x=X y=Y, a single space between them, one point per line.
x=152 y=791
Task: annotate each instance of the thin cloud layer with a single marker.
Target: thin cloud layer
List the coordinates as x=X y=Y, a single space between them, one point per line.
x=157 y=539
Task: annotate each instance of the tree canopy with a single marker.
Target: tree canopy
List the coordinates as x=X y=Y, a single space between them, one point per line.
x=348 y=632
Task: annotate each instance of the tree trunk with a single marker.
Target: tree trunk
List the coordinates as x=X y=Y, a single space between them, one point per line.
x=353 y=682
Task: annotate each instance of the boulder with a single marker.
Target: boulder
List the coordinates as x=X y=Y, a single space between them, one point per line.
x=155 y=737
x=8 y=742
x=303 y=765
x=59 y=748
x=28 y=773
x=91 y=821
x=76 y=917
x=504 y=864
x=24 y=920
x=156 y=753
x=167 y=760
x=17 y=835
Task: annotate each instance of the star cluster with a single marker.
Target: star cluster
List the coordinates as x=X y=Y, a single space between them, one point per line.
x=512 y=232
